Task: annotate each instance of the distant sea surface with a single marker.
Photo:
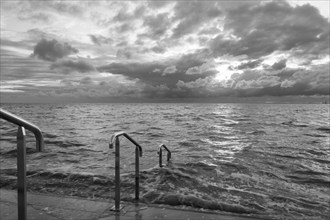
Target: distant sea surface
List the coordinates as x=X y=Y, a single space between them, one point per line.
x=271 y=160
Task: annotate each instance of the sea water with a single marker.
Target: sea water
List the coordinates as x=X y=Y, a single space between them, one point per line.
x=265 y=159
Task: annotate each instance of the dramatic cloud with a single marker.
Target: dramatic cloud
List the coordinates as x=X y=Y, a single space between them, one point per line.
x=208 y=68
x=249 y=65
x=155 y=30
x=191 y=16
x=279 y=65
x=100 y=40
x=86 y=81
x=259 y=30
x=52 y=50
x=166 y=72
x=106 y=50
x=68 y=66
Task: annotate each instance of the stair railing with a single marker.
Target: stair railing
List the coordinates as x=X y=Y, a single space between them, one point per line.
x=160 y=153
x=21 y=156
x=114 y=143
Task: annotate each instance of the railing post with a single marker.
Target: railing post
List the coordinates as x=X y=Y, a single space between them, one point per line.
x=117 y=175
x=114 y=143
x=21 y=156
x=137 y=173
x=21 y=173
x=40 y=146
x=160 y=153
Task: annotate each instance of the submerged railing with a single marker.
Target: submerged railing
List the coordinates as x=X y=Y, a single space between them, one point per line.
x=21 y=156
x=114 y=143
x=160 y=153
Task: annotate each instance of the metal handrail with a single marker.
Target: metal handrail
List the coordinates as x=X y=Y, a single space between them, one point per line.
x=27 y=125
x=114 y=142
x=160 y=153
x=21 y=156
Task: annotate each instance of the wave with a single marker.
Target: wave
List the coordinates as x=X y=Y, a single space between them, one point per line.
x=315 y=135
x=176 y=186
x=324 y=129
x=182 y=184
x=13 y=153
x=224 y=156
x=193 y=201
x=294 y=124
x=257 y=132
x=64 y=144
x=306 y=179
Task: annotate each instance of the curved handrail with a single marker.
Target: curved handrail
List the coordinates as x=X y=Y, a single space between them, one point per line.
x=114 y=143
x=122 y=133
x=160 y=153
x=28 y=125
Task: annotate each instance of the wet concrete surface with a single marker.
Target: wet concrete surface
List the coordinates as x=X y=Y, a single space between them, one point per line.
x=50 y=207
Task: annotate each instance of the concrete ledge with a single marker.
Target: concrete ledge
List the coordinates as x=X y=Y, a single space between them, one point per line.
x=49 y=207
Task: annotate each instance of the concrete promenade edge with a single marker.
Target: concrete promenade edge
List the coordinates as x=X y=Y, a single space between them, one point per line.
x=50 y=207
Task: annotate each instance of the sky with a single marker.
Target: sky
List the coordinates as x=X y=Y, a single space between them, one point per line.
x=106 y=51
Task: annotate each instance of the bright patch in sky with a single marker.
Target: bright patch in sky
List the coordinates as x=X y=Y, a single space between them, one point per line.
x=224 y=72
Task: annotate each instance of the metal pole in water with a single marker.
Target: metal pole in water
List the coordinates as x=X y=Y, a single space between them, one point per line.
x=21 y=173
x=160 y=157
x=117 y=176
x=137 y=173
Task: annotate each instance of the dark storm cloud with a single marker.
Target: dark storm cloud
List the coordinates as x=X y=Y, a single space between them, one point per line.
x=249 y=65
x=157 y=73
x=257 y=83
x=52 y=50
x=315 y=81
x=125 y=53
x=191 y=15
x=158 y=49
x=66 y=82
x=139 y=11
x=100 y=40
x=159 y=91
x=142 y=71
x=196 y=58
x=68 y=66
x=286 y=73
x=265 y=28
x=122 y=16
x=201 y=88
x=86 y=81
x=279 y=65
x=157 y=25
x=130 y=52
x=124 y=28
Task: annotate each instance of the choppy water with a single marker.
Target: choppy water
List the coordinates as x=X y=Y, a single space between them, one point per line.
x=269 y=159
